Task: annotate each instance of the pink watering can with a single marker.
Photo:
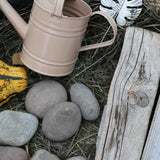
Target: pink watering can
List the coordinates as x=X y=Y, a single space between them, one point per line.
x=53 y=36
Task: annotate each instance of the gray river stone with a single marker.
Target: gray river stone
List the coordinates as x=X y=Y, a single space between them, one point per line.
x=44 y=155
x=17 y=128
x=62 y=121
x=85 y=100
x=43 y=96
x=12 y=153
x=77 y=158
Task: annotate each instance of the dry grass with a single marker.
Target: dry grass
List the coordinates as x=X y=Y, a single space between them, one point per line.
x=95 y=68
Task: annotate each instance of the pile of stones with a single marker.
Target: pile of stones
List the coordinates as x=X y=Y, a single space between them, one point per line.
x=16 y=153
x=61 y=119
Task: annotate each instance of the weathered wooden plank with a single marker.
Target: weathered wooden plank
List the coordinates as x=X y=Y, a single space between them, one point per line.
x=152 y=147
x=124 y=126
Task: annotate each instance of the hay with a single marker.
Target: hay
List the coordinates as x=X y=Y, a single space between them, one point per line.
x=94 y=68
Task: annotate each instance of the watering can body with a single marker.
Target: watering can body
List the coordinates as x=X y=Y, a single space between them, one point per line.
x=51 y=42
x=52 y=39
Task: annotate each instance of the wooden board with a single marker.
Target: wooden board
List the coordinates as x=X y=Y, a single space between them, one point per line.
x=152 y=147
x=124 y=126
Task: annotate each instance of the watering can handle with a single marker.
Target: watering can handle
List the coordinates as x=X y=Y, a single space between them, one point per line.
x=58 y=7
x=107 y=43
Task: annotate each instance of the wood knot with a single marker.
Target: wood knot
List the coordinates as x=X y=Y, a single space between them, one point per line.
x=137 y=98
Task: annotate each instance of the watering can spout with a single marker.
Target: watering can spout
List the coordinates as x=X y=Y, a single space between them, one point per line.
x=18 y=23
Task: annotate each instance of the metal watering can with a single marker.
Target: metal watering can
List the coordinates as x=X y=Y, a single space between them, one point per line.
x=53 y=36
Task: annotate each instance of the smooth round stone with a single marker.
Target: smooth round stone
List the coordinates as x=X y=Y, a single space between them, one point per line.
x=62 y=121
x=17 y=128
x=44 y=95
x=85 y=100
x=12 y=153
x=44 y=155
x=77 y=158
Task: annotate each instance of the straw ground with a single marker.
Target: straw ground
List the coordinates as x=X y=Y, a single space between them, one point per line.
x=94 y=68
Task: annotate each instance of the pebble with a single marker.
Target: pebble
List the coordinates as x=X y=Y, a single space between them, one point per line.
x=43 y=96
x=12 y=153
x=77 y=158
x=44 y=155
x=16 y=128
x=62 y=121
x=85 y=100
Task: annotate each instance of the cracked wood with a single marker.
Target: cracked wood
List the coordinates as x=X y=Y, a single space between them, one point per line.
x=124 y=126
x=152 y=147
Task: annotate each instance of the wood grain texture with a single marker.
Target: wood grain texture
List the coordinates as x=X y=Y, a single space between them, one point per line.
x=152 y=147
x=124 y=126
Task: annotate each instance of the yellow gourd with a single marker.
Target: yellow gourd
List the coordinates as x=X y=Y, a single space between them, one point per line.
x=12 y=81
